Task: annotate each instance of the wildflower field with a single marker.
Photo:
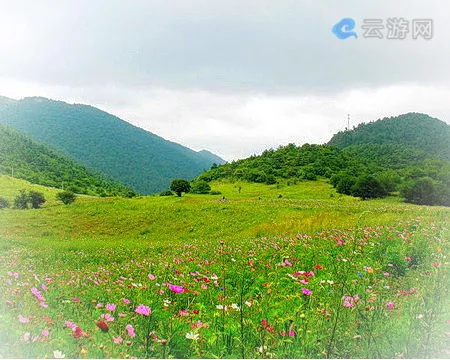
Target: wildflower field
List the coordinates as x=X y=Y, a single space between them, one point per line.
x=308 y=274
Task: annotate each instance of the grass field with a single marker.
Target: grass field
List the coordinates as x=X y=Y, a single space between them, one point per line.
x=271 y=271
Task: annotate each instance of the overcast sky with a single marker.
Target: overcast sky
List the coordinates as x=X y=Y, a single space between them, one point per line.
x=231 y=76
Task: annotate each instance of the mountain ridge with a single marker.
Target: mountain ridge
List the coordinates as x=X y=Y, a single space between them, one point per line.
x=104 y=142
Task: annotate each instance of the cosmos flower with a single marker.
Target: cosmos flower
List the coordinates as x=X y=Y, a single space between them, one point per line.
x=110 y=307
x=130 y=330
x=192 y=336
x=306 y=291
x=176 y=288
x=151 y=276
x=143 y=310
x=390 y=305
x=103 y=326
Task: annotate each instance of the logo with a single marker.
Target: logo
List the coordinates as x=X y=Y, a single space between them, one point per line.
x=343 y=29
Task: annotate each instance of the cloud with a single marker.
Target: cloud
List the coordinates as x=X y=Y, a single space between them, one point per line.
x=235 y=77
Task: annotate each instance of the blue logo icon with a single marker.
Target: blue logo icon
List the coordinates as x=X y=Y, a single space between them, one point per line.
x=343 y=29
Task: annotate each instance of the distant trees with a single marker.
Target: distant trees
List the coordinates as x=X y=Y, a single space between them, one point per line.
x=180 y=186
x=166 y=193
x=34 y=198
x=67 y=197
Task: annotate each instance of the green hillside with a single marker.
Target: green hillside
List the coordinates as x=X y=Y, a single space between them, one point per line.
x=413 y=129
x=404 y=167
x=104 y=142
x=24 y=158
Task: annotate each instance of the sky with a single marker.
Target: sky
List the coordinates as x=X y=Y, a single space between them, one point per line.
x=235 y=77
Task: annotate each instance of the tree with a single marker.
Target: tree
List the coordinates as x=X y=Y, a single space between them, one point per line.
x=21 y=200
x=36 y=199
x=67 y=197
x=367 y=187
x=180 y=186
x=200 y=187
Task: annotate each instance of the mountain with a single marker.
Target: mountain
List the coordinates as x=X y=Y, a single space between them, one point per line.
x=413 y=129
x=104 y=142
x=209 y=156
x=24 y=158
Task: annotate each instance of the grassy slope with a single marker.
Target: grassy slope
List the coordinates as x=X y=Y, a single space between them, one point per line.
x=304 y=208
x=128 y=237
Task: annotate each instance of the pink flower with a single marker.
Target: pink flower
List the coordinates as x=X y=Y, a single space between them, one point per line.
x=386 y=274
x=45 y=333
x=23 y=319
x=111 y=307
x=44 y=305
x=99 y=305
x=348 y=301
x=125 y=301
x=130 y=330
x=71 y=325
x=107 y=317
x=151 y=276
x=75 y=299
x=117 y=340
x=390 y=305
x=184 y=313
x=143 y=310
x=339 y=243
x=291 y=333
x=44 y=287
x=176 y=288
x=407 y=258
x=306 y=291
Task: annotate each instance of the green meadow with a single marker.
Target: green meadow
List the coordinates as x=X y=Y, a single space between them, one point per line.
x=260 y=271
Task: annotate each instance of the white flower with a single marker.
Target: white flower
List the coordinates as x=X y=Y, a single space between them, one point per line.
x=58 y=354
x=235 y=307
x=192 y=336
x=214 y=277
x=248 y=303
x=221 y=307
x=167 y=302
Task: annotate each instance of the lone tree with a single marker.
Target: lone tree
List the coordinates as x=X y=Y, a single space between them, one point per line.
x=179 y=186
x=67 y=197
x=36 y=199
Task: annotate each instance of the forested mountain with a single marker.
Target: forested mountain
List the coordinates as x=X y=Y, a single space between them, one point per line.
x=417 y=130
x=104 y=142
x=24 y=158
x=372 y=155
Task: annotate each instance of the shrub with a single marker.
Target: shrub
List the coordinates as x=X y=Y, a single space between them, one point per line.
x=166 y=193
x=3 y=203
x=271 y=179
x=215 y=192
x=200 y=187
x=21 y=200
x=420 y=191
x=67 y=197
x=367 y=187
x=36 y=199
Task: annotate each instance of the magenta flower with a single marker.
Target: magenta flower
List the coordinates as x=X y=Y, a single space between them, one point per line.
x=45 y=333
x=348 y=301
x=151 y=276
x=390 y=305
x=306 y=291
x=143 y=310
x=130 y=330
x=125 y=301
x=71 y=325
x=110 y=307
x=176 y=288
